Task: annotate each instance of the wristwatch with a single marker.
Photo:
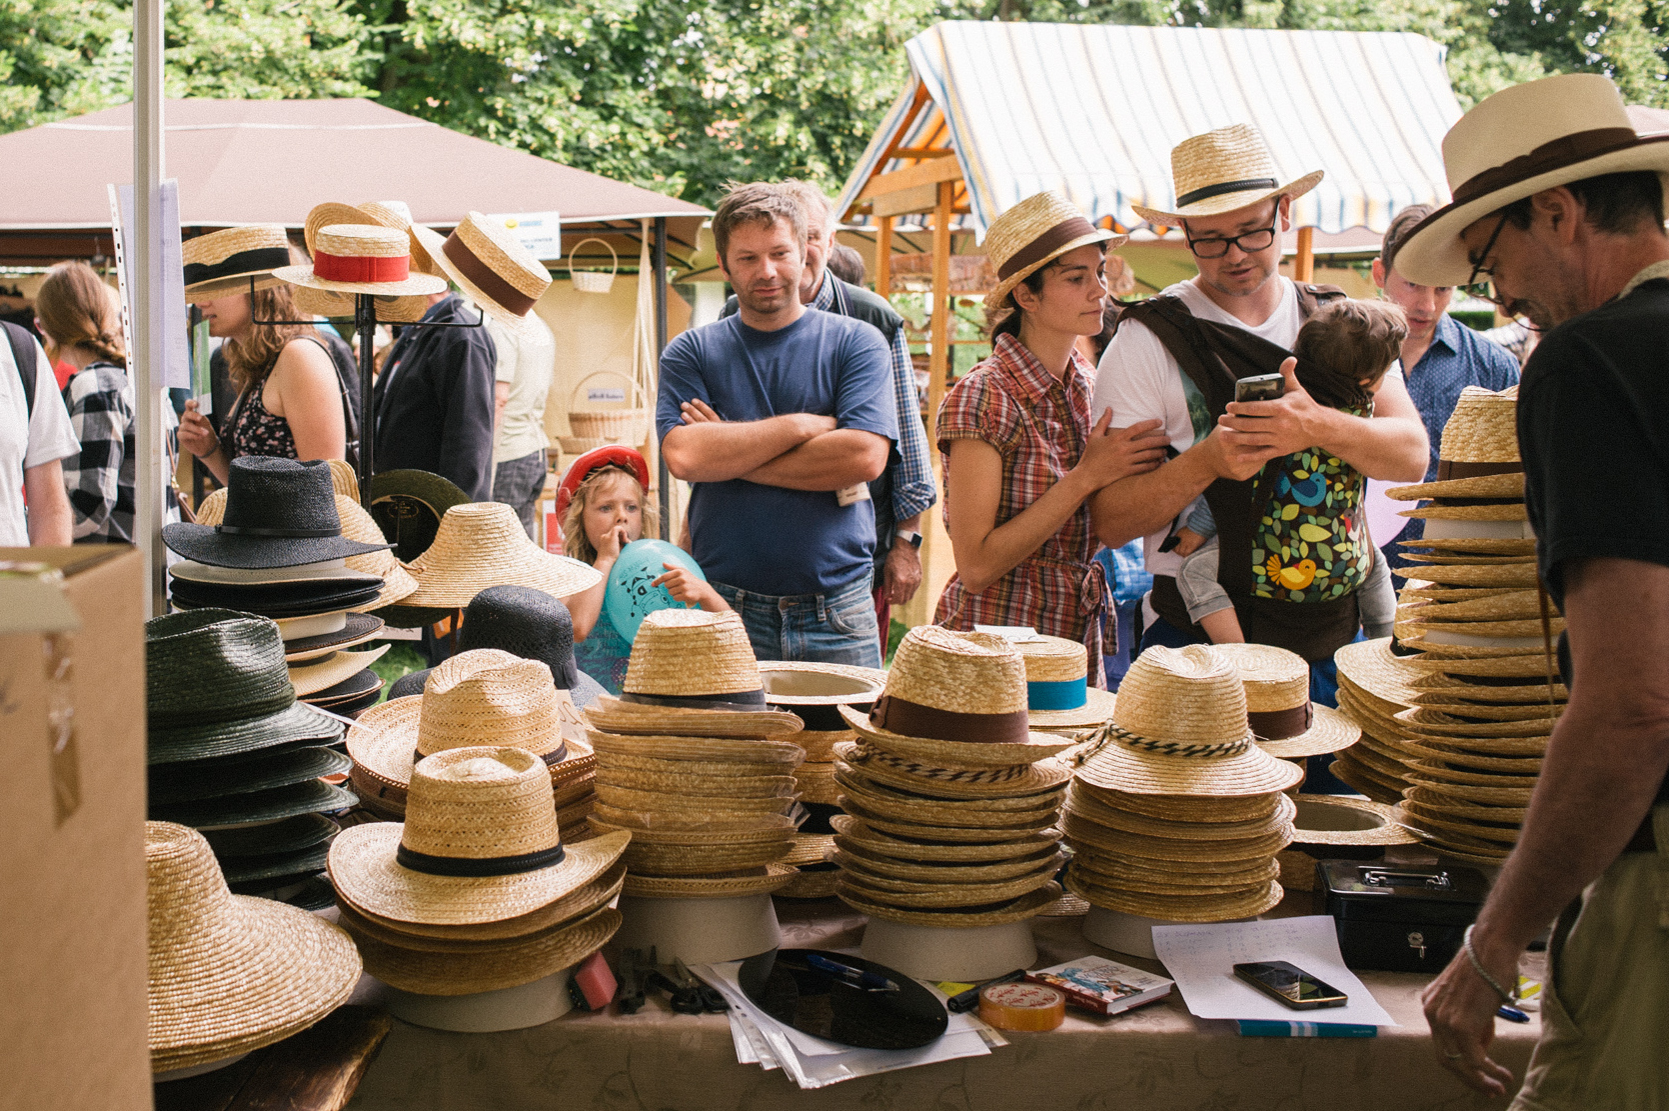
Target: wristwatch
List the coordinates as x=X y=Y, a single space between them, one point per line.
x=911 y=538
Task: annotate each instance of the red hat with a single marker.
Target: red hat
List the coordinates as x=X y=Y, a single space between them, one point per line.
x=610 y=455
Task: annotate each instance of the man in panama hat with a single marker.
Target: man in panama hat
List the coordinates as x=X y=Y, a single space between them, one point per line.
x=1560 y=205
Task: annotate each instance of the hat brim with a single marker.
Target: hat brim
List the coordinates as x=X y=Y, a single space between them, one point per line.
x=1096 y=710
x=415 y=285
x=1229 y=202
x=391 y=495
x=1037 y=746
x=1433 y=253
x=556 y=575
x=232 y=283
x=1371 y=666
x=168 y=784
x=285 y=836
x=764 y=880
x=850 y=829
x=296 y=722
x=1177 y=908
x=389 y=308
x=314 y=796
x=928 y=872
x=435 y=244
x=204 y=544
x=612 y=715
x=1509 y=485
x=1119 y=767
x=326 y=672
x=951 y=783
x=383 y=743
x=1112 y=240
x=1016 y=910
x=511 y=964
x=1329 y=731
x=1374 y=822
x=359 y=628
x=1505 y=511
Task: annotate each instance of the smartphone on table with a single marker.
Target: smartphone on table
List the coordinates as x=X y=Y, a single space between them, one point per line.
x=1259 y=387
x=1290 y=985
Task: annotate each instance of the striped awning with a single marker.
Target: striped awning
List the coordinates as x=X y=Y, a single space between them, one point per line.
x=1093 y=111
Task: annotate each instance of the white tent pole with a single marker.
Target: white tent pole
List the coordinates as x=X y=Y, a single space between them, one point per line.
x=146 y=364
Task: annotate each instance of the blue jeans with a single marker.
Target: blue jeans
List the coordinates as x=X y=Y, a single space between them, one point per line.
x=835 y=627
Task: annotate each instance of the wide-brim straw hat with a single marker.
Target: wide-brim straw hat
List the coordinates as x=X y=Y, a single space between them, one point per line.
x=1517 y=575
x=1439 y=511
x=1036 y=746
x=1371 y=667
x=912 y=895
x=483 y=544
x=234 y=260
x=1253 y=901
x=578 y=904
x=702 y=755
x=876 y=864
x=1278 y=707
x=1092 y=805
x=686 y=804
x=1522 y=140
x=1187 y=808
x=1026 y=906
x=1434 y=773
x=1224 y=171
x=1033 y=233
x=1434 y=687
x=637 y=719
x=1499 y=605
x=491 y=266
x=851 y=830
x=764 y=880
x=1494 y=486
x=1196 y=878
x=950 y=783
x=326 y=672
x=1358 y=776
x=1031 y=812
x=494 y=966
x=933 y=831
x=1082 y=832
x=229 y=973
x=362 y=258
x=1342 y=820
x=1437 y=546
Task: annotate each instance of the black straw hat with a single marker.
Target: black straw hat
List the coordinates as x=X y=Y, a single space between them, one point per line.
x=279 y=513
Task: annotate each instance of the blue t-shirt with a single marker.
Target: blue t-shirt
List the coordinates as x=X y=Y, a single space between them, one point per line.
x=765 y=539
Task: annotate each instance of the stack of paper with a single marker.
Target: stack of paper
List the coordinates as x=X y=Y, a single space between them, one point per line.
x=816 y=1063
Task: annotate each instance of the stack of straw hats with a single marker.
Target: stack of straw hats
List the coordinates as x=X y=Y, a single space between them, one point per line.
x=483 y=544
x=477 y=890
x=951 y=800
x=1285 y=723
x=1373 y=689
x=1058 y=692
x=482 y=696
x=1175 y=812
x=229 y=974
x=694 y=764
x=232 y=753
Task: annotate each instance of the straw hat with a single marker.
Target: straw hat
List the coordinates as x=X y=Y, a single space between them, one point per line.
x=479 y=844
x=388 y=214
x=1471 y=544
x=1058 y=694
x=632 y=719
x=322 y=674
x=1246 y=903
x=1224 y=171
x=957 y=699
x=577 y=904
x=1035 y=232
x=851 y=831
x=1030 y=812
x=940 y=895
x=361 y=258
x=906 y=774
x=491 y=266
x=1518 y=142
x=1278 y=707
x=685 y=658
x=483 y=544
x=699 y=755
x=229 y=973
x=868 y=902
x=1180 y=728
x=1090 y=804
x=1186 y=808
x=224 y=262
x=1371 y=666
x=814 y=691
x=1342 y=820
x=874 y=864
x=478 y=697
x=763 y=880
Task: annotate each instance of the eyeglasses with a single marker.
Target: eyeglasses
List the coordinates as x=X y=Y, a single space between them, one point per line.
x=1484 y=290
x=1249 y=242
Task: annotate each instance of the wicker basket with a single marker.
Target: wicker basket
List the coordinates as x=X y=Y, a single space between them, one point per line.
x=628 y=426
x=592 y=281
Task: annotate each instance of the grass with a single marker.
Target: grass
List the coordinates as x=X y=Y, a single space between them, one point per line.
x=402 y=658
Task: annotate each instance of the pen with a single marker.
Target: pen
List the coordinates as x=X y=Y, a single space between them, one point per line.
x=1512 y=1014
x=856 y=977
x=966 y=1001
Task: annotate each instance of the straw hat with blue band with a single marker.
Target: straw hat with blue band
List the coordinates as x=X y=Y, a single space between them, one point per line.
x=228 y=261
x=1058 y=694
x=1033 y=234
x=1224 y=171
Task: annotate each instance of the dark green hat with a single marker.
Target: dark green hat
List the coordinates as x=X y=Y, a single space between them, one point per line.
x=211 y=779
x=313 y=797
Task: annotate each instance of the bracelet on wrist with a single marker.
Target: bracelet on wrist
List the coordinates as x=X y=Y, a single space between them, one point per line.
x=1507 y=997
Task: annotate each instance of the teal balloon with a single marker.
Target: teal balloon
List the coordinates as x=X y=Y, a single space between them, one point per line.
x=629 y=597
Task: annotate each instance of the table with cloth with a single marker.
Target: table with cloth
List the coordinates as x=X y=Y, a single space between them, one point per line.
x=1157 y=1056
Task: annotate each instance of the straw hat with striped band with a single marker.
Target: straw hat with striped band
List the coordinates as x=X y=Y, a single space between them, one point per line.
x=446 y=938
x=479 y=844
x=923 y=778
x=362 y=258
x=229 y=973
x=762 y=880
x=491 y=266
x=482 y=696
x=1224 y=171
x=850 y=830
x=1278 y=706
x=957 y=699
x=868 y=902
x=318 y=675
x=224 y=262
x=1058 y=694
x=1033 y=233
x=483 y=544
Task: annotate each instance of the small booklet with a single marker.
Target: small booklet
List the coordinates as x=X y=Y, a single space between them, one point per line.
x=1102 y=986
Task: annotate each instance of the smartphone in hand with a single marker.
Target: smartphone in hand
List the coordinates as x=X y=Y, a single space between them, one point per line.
x=1290 y=985
x=1259 y=387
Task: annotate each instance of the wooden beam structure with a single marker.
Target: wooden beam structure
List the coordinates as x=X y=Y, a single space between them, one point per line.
x=923 y=173
x=883 y=257
x=1303 y=264
x=938 y=372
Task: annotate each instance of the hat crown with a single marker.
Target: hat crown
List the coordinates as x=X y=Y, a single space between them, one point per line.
x=284 y=496
x=1233 y=153
x=488 y=696
x=185 y=894
x=218 y=246
x=969 y=673
x=1483 y=428
x=362 y=241
x=682 y=653
x=1053 y=659
x=467 y=529
x=212 y=665
x=524 y=622
x=1522 y=118
x=480 y=802
x=1188 y=697
x=499 y=249
x=1017 y=227
x=1274 y=678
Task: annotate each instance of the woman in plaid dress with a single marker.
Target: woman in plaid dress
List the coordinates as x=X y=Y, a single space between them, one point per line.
x=1021 y=458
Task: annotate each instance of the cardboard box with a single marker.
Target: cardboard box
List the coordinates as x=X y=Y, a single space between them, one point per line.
x=72 y=812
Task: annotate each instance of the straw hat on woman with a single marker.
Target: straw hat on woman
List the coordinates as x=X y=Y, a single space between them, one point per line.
x=290 y=398
x=1021 y=452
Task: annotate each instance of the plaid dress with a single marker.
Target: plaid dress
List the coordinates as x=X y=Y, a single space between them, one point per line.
x=1039 y=425
x=100 y=480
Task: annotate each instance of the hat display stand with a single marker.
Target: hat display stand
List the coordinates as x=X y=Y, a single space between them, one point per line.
x=486 y=1012
x=946 y=953
x=1130 y=934
x=700 y=931
x=197 y=1070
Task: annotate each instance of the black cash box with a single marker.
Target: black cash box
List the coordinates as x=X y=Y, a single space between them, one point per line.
x=1400 y=918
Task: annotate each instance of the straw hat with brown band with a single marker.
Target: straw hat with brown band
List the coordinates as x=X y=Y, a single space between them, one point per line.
x=1058 y=694
x=491 y=266
x=229 y=973
x=479 y=844
x=483 y=544
x=1278 y=707
x=1224 y=171
x=1035 y=232
x=234 y=260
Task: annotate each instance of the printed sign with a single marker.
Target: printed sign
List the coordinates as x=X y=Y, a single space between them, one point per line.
x=539 y=232
x=605 y=393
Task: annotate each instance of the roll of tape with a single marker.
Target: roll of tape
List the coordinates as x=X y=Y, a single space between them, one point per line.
x=1022 y=1006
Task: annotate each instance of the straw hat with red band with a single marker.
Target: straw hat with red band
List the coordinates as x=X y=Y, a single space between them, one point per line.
x=362 y=258
x=1224 y=171
x=491 y=266
x=388 y=214
x=1034 y=233
x=1520 y=141
x=234 y=260
x=609 y=455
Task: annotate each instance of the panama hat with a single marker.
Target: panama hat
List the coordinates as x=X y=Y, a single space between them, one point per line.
x=955 y=698
x=1094 y=805
x=1278 y=706
x=1033 y=233
x=483 y=544
x=491 y=266
x=1058 y=694
x=234 y=260
x=362 y=258
x=228 y=973
x=279 y=513
x=1522 y=140
x=1223 y=171
x=577 y=904
x=479 y=844
x=1371 y=667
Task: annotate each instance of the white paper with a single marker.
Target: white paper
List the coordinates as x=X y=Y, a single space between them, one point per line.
x=167 y=276
x=1015 y=634
x=1201 y=960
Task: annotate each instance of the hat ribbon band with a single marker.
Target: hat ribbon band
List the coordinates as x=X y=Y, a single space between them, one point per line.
x=912 y=719
x=243 y=262
x=1039 y=249
x=1566 y=150
x=1446 y=469
x=1170 y=748
x=281 y=533
x=1206 y=192
x=744 y=700
x=484 y=277
x=361 y=268
x=478 y=866
x=551 y=758
x=1278 y=725
x=1064 y=694
x=866 y=754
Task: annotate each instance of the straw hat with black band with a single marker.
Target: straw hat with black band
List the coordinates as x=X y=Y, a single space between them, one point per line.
x=491 y=266
x=234 y=260
x=1224 y=171
x=1522 y=140
x=1034 y=233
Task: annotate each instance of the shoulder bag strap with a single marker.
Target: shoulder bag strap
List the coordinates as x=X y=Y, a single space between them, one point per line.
x=23 y=355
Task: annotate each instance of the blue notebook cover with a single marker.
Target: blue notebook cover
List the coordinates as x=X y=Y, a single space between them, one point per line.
x=1261 y=1028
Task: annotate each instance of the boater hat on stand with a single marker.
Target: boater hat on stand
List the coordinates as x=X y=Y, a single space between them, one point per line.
x=362 y=258
x=491 y=266
x=1223 y=171
x=387 y=214
x=225 y=262
x=1035 y=232
x=483 y=544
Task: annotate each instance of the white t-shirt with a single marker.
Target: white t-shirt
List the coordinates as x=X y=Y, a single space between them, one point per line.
x=49 y=437
x=527 y=363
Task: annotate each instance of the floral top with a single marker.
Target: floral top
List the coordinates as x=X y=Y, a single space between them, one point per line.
x=1311 y=544
x=252 y=430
